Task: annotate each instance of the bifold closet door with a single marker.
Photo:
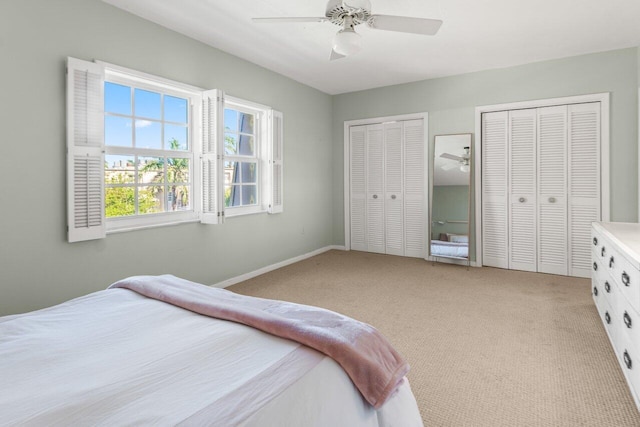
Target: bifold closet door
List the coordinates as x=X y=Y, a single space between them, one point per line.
x=495 y=236
x=415 y=225
x=387 y=181
x=522 y=184
x=358 y=185
x=375 y=189
x=552 y=190
x=584 y=171
x=394 y=200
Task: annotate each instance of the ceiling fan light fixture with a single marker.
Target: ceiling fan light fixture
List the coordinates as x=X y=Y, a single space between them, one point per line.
x=347 y=42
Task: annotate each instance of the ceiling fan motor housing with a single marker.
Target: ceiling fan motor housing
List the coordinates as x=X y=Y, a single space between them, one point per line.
x=358 y=10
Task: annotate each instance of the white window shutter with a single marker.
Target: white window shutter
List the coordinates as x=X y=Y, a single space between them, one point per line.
x=85 y=151
x=275 y=161
x=212 y=157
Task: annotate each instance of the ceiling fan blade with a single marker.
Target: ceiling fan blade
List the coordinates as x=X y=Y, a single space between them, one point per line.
x=405 y=24
x=284 y=19
x=451 y=157
x=335 y=55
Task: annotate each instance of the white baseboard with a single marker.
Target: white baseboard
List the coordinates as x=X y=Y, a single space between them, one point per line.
x=258 y=272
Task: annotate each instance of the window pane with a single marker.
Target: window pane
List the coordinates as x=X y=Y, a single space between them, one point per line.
x=119 y=201
x=231 y=120
x=151 y=170
x=117 y=131
x=148 y=134
x=151 y=199
x=119 y=169
x=178 y=198
x=249 y=195
x=147 y=104
x=175 y=137
x=177 y=170
x=246 y=122
x=175 y=109
x=230 y=143
x=231 y=195
x=249 y=172
x=246 y=146
x=117 y=98
x=231 y=172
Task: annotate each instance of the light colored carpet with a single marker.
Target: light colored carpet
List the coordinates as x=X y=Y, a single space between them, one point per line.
x=487 y=347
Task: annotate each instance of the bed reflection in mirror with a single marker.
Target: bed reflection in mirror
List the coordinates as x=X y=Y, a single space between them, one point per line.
x=451 y=180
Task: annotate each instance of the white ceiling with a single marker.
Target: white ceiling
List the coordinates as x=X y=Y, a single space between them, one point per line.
x=476 y=35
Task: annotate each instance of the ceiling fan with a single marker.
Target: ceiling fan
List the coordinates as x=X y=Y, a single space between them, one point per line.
x=461 y=161
x=350 y=13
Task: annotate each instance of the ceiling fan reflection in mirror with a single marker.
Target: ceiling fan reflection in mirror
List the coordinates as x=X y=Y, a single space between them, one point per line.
x=461 y=161
x=350 y=13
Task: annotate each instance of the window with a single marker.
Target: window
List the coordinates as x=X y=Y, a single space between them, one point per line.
x=149 y=156
x=143 y=151
x=245 y=157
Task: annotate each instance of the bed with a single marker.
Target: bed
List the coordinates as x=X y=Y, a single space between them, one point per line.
x=119 y=357
x=449 y=249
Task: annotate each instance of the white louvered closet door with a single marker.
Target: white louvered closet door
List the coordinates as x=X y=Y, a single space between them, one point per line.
x=584 y=183
x=358 y=184
x=375 y=189
x=552 y=190
x=495 y=242
x=394 y=200
x=415 y=230
x=522 y=200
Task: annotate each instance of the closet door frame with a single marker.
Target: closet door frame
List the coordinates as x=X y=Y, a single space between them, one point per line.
x=347 y=169
x=602 y=98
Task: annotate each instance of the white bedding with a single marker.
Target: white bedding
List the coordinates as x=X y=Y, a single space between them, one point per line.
x=449 y=249
x=117 y=358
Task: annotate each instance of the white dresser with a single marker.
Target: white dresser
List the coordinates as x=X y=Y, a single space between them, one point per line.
x=616 y=292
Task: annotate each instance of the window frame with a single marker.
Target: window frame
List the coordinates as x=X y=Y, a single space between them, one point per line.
x=140 y=80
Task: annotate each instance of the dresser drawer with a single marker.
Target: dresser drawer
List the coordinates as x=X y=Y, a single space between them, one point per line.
x=627 y=278
x=629 y=359
x=607 y=314
x=627 y=321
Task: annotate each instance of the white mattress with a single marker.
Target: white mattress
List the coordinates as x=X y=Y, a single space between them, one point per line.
x=449 y=249
x=117 y=358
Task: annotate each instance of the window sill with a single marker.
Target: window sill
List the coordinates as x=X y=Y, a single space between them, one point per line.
x=122 y=225
x=232 y=213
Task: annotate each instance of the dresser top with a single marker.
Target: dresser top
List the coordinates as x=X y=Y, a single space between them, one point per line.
x=627 y=235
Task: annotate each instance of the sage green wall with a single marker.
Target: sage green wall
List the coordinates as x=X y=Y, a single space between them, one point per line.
x=451 y=102
x=38 y=267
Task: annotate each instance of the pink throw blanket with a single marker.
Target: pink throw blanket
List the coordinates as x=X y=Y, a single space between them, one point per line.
x=371 y=362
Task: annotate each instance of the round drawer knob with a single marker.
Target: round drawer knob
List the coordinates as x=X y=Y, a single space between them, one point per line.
x=602 y=252
x=611 y=262
x=595 y=291
x=607 y=287
x=625 y=278
x=627 y=319
x=607 y=317
x=595 y=241
x=627 y=360
x=595 y=267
